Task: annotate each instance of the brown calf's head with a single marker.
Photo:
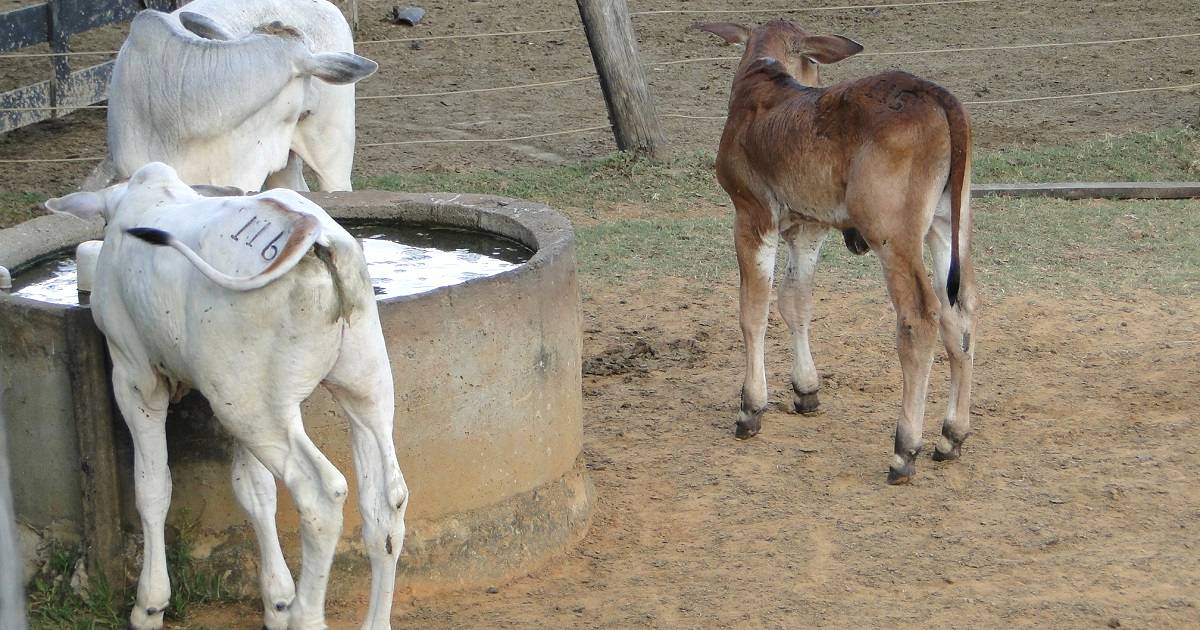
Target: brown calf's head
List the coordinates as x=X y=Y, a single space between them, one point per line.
x=795 y=49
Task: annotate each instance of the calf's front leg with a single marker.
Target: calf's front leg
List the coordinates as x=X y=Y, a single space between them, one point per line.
x=143 y=401
x=795 y=304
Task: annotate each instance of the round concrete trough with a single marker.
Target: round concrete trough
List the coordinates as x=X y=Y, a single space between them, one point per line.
x=488 y=412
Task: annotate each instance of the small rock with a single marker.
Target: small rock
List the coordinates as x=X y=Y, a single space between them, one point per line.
x=1114 y=623
x=492 y=590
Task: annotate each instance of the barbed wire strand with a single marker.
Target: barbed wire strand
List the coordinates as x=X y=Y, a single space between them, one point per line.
x=476 y=140
x=400 y=40
x=667 y=115
x=477 y=90
x=1096 y=42
x=812 y=9
x=1002 y=101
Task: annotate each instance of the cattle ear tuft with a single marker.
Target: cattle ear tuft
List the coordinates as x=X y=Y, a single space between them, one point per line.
x=341 y=68
x=84 y=205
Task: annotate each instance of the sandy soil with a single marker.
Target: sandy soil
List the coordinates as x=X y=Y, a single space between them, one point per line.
x=1074 y=505
x=700 y=88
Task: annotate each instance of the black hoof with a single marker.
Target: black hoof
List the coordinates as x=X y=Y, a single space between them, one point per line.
x=902 y=476
x=949 y=446
x=904 y=466
x=805 y=403
x=953 y=454
x=748 y=427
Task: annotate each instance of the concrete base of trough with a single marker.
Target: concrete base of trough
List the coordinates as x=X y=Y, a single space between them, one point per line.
x=488 y=414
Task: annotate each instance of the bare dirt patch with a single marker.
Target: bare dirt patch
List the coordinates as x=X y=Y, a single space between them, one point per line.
x=702 y=88
x=1074 y=503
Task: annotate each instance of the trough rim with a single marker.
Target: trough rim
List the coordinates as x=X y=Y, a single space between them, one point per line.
x=542 y=228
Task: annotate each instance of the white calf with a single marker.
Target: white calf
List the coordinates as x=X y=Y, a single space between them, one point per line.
x=253 y=301
x=224 y=92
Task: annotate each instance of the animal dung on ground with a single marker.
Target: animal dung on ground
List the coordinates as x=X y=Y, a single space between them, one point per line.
x=408 y=16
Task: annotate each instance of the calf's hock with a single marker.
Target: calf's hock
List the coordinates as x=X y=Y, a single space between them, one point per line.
x=488 y=406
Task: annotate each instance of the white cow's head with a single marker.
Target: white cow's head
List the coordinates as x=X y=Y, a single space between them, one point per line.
x=219 y=107
x=337 y=68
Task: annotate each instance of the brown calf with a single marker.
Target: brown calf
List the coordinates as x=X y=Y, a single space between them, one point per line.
x=885 y=159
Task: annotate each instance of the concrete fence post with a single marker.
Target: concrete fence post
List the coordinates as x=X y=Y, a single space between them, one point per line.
x=12 y=597
x=622 y=77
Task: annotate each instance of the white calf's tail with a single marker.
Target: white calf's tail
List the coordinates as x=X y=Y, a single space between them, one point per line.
x=246 y=283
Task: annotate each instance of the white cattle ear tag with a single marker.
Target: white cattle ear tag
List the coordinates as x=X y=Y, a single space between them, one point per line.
x=252 y=236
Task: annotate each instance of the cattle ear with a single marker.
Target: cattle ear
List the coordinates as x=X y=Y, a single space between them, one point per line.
x=84 y=205
x=828 y=48
x=204 y=26
x=340 y=67
x=208 y=190
x=731 y=33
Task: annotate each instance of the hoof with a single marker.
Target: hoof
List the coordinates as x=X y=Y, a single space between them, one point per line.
x=950 y=454
x=805 y=403
x=948 y=447
x=903 y=467
x=748 y=428
x=748 y=423
x=900 y=477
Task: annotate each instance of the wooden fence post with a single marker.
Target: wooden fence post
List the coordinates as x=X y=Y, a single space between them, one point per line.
x=622 y=77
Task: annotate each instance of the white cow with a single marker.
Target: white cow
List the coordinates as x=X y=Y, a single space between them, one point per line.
x=253 y=301
x=224 y=91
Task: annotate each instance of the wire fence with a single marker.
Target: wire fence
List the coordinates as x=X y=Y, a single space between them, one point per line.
x=557 y=83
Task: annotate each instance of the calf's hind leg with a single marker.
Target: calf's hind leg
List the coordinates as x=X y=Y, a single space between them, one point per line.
x=795 y=304
x=276 y=437
x=958 y=336
x=254 y=487
x=916 y=332
x=361 y=382
x=756 y=245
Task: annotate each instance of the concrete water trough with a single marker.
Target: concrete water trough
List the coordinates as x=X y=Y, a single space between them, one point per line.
x=488 y=412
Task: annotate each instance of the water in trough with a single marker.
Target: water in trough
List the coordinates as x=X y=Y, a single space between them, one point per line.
x=402 y=260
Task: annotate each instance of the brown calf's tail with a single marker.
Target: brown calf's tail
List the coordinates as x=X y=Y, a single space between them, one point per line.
x=960 y=167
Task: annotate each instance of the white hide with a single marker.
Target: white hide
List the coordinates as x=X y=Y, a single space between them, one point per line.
x=241 y=111
x=255 y=355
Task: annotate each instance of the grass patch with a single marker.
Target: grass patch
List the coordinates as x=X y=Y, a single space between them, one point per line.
x=1171 y=154
x=679 y=182
x=1019 y=245
x=54 y=604
x=17 y=207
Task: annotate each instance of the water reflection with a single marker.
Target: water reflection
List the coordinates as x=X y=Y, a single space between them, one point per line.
x=400 y=260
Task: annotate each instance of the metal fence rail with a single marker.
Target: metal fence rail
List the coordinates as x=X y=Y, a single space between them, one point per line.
x=54 y=22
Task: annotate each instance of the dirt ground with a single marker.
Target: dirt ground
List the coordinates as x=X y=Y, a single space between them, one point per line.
x=1075 y=503
x=696 y=88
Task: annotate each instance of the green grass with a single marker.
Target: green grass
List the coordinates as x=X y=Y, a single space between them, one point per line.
x=16 y=207
x=54 y=604
x=687 y=180
x=1171 y=154
x=673 y=184
x=1020 y=244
